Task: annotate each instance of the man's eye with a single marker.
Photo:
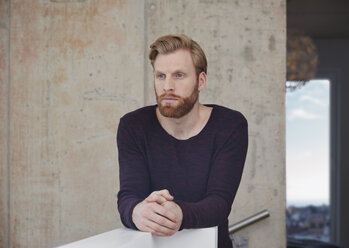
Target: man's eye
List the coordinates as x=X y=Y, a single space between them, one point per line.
x=161 y=76
x=180 y=75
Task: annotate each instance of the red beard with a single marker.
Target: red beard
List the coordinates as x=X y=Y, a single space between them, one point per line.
x=181 y=108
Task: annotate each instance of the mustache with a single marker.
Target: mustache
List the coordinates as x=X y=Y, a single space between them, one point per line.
x=169 y=95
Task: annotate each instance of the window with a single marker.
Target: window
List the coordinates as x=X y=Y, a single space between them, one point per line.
x=307 y=160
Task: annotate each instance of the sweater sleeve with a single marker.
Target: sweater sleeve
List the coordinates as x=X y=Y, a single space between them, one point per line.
x=133 y=174
x=223 y=182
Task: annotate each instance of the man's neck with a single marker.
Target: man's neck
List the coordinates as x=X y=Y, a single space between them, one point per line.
x=187 y=126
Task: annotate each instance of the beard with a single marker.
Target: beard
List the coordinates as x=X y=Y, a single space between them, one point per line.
x=182 y=107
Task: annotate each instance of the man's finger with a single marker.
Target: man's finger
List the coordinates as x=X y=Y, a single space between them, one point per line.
x=160 y=196
x=165 y=193
x=163 y=221
x=157 y=225
x=159 y=229
x=145 y=228
x=162 y=234
x=165 y=213
x=156 y=198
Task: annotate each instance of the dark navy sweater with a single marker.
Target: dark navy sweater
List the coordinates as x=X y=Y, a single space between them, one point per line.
x=202 y=173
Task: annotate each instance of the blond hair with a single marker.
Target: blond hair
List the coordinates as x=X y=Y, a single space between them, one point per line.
x=170 y=43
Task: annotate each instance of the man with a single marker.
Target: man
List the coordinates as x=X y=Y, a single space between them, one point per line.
x=180 y=161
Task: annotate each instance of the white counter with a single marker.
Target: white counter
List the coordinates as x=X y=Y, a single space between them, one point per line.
x=127 y=238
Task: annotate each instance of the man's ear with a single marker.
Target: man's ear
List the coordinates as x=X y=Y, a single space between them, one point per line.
x=202 y=81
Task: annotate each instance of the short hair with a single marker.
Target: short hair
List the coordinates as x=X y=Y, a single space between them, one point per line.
x=170 y=43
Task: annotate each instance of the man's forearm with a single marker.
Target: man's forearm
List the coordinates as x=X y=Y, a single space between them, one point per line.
x=208 y=212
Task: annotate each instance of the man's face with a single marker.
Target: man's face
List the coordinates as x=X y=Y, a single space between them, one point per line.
x=176 y=84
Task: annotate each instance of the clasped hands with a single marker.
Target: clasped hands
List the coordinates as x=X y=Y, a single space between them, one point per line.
x=158 y=214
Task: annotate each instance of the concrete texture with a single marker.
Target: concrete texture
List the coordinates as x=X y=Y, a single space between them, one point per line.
x=4 y=87
x=68 y=90
x=76 y=66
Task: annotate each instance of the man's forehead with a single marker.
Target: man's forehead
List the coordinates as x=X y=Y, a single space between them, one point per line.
x=177 y=60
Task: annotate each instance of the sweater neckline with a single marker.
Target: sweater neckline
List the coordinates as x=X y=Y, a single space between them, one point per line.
x=197 y=136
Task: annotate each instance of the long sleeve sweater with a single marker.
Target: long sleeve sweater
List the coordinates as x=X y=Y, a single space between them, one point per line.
x=203 y=172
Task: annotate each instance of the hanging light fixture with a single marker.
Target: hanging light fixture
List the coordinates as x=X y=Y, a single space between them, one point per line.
x=302 y=59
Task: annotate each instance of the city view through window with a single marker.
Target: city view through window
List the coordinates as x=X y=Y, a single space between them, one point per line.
x=307 y=161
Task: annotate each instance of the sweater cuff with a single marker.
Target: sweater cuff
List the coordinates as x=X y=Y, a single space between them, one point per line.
x=130 y=223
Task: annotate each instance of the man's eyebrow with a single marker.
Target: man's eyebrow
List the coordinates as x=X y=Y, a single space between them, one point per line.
x=174 y=72
x=178 y=71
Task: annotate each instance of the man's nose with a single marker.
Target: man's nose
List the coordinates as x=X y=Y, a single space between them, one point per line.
x=169 y=84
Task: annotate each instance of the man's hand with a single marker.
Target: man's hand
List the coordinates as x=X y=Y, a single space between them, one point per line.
x=160 y=196
x=174 y=208
x=158 y=214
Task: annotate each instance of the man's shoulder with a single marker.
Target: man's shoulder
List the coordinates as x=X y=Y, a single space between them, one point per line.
x=227 y=124
x=141 y=114
x=227 y=115
x=139 y=121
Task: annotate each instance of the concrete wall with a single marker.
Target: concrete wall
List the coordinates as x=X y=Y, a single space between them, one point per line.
x=4 y=139
x=76 y=66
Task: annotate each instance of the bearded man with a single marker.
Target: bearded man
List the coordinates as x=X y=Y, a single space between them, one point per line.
x=180 y=161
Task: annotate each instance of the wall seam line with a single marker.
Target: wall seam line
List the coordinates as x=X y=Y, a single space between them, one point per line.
x=145 y=36
x=9 y=129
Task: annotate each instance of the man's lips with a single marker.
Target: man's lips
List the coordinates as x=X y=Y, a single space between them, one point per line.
x=168 y=99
